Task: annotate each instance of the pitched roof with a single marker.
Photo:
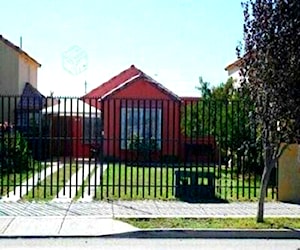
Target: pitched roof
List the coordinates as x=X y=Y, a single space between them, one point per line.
x=31 y=98
x=18 y=49
x=236 y=63
x=123 y=79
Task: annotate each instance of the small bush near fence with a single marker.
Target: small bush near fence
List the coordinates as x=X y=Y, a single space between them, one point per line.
x=14 y=151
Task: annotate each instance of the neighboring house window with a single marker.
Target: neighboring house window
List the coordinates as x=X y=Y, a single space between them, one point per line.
x=141 y=126
x=91 y=129
x=28 y=119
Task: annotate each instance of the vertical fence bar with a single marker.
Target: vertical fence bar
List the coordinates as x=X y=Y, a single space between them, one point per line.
x=124 y=140
x=64 y=128
x=226 y=147
x=14 y=130
x=9 y=144
x=153 y=106
x=176 y=142
x=2 y=132
x=52 y=136
x=44 y=141
x=208 y=143
x=33 y=138
x=70 y=144
x=104 y=141
x=250 y=169
x=202 y=135
x=238 y=154
x=166 y=161
x=139 y=128
x=108 y=147
x=135 y=140
x=232 y=149
x=114 y=146
x=86 y=137
x=117 y=148
x=159 y=145
x=91 y=142
x=220 y=138
x=142 y=108
x=27 y=100
x=127 y=110
x=80 y=135
x=59 y=144
x=185 y=149
x=216 y=151
x=243 y=155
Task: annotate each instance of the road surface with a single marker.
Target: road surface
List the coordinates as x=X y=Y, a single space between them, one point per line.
x=132 y=244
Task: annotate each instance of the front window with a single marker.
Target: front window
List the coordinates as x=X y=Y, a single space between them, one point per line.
x=91 y=129
x=141 y=127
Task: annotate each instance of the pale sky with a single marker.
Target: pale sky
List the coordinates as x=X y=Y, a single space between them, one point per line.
x=173 y=41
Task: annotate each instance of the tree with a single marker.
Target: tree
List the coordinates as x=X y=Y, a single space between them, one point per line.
x=204 y=88
x=271 y=74
x=222 y=112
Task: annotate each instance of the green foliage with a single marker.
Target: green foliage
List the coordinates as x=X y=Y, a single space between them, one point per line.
x=270 y=68
x=143 y=146
x=14 y=152
x=224 y=113
x=204 y=88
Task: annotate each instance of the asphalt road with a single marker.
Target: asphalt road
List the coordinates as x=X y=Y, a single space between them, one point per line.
x=164 y=244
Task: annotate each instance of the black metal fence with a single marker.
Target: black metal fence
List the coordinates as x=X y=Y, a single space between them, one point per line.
x=69 y=148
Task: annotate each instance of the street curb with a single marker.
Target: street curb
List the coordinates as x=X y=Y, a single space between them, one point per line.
x=181 y=234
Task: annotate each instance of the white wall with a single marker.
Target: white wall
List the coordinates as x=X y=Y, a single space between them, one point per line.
x=234 y=72
x=8 y=70
x=27 y=73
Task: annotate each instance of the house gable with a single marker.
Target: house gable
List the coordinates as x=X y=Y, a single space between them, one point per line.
x=141 y=88
x=125 y=79
x=22 y=53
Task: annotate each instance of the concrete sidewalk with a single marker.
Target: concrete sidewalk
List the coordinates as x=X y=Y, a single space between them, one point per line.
x=99 y=218
x=147 y=209
x=54 y=226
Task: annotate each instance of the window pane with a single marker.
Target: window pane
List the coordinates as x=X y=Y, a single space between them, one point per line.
x=91 y=129
x=143 y=124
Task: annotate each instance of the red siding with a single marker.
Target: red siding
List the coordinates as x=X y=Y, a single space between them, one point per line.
x=140 y=90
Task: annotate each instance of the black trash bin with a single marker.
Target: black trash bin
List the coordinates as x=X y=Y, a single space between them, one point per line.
x=192 y=185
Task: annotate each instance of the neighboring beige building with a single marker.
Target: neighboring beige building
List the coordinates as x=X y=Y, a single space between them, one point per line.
x=16 y=69
x=233 y=70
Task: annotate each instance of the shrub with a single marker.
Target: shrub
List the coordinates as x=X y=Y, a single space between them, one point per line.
x=14 y=152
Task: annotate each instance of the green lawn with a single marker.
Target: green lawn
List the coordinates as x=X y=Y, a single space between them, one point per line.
x=124 y=182
x=226 y=223
x=10 y=180
x=132 y=182
x=50 y=187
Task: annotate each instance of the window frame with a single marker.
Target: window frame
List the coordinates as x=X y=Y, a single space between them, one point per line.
x=142 y=114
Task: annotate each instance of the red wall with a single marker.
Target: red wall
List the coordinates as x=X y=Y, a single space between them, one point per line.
x=80 y=149
x=140 y=93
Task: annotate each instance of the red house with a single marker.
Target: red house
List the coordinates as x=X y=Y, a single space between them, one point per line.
x=136 y=109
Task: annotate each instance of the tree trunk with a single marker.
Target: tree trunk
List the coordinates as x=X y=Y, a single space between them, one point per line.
x=269 y=165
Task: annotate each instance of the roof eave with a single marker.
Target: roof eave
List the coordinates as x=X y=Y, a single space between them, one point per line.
x=19 y=50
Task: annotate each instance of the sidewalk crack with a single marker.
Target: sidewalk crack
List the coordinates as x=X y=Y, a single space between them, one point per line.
x=8 y=225
x=64 y=218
